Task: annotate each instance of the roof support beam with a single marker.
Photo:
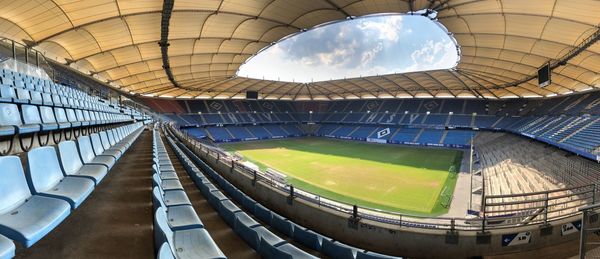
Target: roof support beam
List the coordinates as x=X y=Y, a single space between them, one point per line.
x=164 y=38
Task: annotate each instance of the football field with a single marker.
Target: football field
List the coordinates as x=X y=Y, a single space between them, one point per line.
x=389 y=177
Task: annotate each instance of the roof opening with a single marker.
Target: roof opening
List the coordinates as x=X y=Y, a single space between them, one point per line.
x=365 y=46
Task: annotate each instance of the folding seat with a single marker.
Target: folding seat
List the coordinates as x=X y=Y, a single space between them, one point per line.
x=47 y=115
x=174 y=198
x=228 y=210
x=24 y=217
x=22 y=96
x=7 y=248
x=282 y=225
x=81 y=118
x=72 y=118
x=307 y=238
x=46 y=178
x=36 y=98
x=252 y=232
x=99 y=147
x=108 y=145
x=88 y=118
x=7 y=81
x=56 y=100
x=207 y=189
x=373 y=255
x=72 y=165
x=19 y=83
x=10 y=121
x=88 y=156
x=336 y=249
x=7 y=94
x=189 y=243
x=180 y=217
x=47 y=99
x=164 y=252
x=31 y=115
x=61 y=118
x=167 y=185
x=115 y=142
x=263 y=214
x=167 y=175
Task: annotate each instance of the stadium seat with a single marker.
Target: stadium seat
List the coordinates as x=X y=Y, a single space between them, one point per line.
x=108 y=146
x=24 y=217
x=46 y=178
x=31 y=115
x=99 y=149
x=10 y=121
x=307 y=238
x=88 y=155
x=373 y=255
x=336 y=249
x=228 y=209
x=215 y=198
x=180 y=217
x=174 y=198
x=166 y=185
x=189 y=243
x=263 y=213
x=164 y=252
x=282 y=250
x=282 y=225
x=72 y=165
x=7 y=248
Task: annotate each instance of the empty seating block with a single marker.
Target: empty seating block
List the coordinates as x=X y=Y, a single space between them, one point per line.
x=24 y=217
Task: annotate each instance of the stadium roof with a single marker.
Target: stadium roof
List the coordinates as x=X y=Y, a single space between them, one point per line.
x=188 y=48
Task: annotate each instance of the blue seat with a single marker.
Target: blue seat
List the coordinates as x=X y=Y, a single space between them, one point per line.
x=283 y=250
x=31 y=115
x=307 y=238
x=261 y=234
x=263 y=213
x=373 y=255
x=46 y=178
x=166 y=185
x=73 y=166
x=7 y=248
x=248 y=203
x=336 y=249
x=164 y=252
x=215 y=198
x=88 y=156
x=207 y=189
x=175 y=198
x=10 y=121
x=228 y=210
x=180 y=217
x=48 y=117
x=188 y=243
x=164 y=175
x=99 y=147
x=282 y=225
x=24 y=217
x=61 y=118
x=108 y=146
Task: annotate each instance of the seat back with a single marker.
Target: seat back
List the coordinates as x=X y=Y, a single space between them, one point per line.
x=56 y=99
x=36 y=97
x=164 y=252
x=105 y=141
x=31 y=115
x=13 y=187
x=69 y=157
x=61 y=116
x=47 y=114
x=43 y=169
x=23 y=94
x=97 y=144
x=79 y=115
x=158 y=196
x=9 y=114
x=7 y=92
x=163 y=232
x=85 y=149
x=71 y=117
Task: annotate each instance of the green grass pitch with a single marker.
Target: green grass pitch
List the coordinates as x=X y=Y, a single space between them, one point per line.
x=389 y=177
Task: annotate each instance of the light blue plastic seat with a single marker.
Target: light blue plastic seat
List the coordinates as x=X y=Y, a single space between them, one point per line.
x=22 y=96
x=72 y=118
x=46 y=178
x=7 y=248
x=107 y=146
x=61 y=118
x=36 y=98
x=175 y=198
x=164 y=252
x=31 y=115
x=48 y=118
x=24 y=217
x=89 y=157
x=166 y=185
x=99 y=148
x=7 y=94
x=189 y=243
x=72 y=165
x=180 y=217
x=10 y=121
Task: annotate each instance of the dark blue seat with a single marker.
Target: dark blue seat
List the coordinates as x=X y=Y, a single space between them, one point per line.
x=228 y=210
x=188 y=243
x=283 y=250
x=282 y=225
x=336 y=249
x=373 y=255
x=24 y=217
x=215 y=198
x=207 y=189
x=88 y=156
x=263 y=213
x=248 y=203
x=46 y=178
x=7 y=248
x=73 y=166
x=307 y=238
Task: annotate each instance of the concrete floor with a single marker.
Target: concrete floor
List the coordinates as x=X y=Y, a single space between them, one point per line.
x=116 y=219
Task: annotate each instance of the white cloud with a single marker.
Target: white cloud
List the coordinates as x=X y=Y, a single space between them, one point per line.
x=438 y=55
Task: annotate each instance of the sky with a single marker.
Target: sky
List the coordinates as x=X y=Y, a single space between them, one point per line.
x=354 y=48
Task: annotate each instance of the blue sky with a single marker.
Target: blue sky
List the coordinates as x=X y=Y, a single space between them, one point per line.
x=361 y=47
